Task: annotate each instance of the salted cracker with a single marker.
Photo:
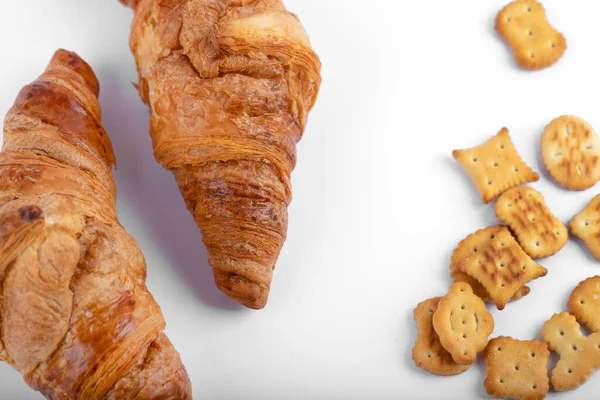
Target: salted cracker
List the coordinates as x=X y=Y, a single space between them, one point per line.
x=586 y=226
x=516 y=369
x=462 y=323
x=428 y=352
x=571 y=153
x=526 y=214
x=584 y=303
x=495 y=166
x=471 y=245
x=535 y=43
x=579 y=355
x=502 y=267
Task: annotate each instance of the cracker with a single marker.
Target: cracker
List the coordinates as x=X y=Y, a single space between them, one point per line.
x=502 y=267
x=462 y=323
x=516 y=369
x=428 y=352
x=537 y=230
x=470 y=245
x=579 y=355
x=495 y=166
x=586 y=226
x=584 y=303
x=571 y=153
x=534 y=42
x=480 y=291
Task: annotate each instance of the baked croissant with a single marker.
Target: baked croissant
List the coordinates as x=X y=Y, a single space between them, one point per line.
x=76 y=318
x=229 y=84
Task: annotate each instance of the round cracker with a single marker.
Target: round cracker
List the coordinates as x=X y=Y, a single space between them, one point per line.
x=571 y=153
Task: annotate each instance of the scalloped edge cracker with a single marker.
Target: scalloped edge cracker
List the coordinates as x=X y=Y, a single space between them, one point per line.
x=428 y=352
x=584 y=303
x=463 y=323
x=517 y=369
x=586 y=226
x=579 y=355
x=526 y=214
x=571 y=153
x=534 y=41
x=502 y=267
x=495 y=166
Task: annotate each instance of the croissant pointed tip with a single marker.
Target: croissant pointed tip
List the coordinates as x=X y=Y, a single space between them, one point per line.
x=242 y=290
x=68 y=59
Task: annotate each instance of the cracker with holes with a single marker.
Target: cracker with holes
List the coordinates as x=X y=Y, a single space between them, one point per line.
x=571 y=153
x=584 y=303
x=586 y=226
x=463 y=323
x=537 y=230
x=468 y=246
x=428 y=352
x=502 y=267
x=495 y=166
x=579 y=355
x=534 y=42
x=516 y=369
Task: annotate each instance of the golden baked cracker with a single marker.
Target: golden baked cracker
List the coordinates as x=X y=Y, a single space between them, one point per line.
x=516 y=369
x=534 y=42
x=472 y=244
x=478 y=289
x=502 y=267
x=579 y=355
x=462 y=323
x=584 y=303
x=537 y=230
x=495 y=166
x=571 y=153
x=586 y=226
x=428 y=352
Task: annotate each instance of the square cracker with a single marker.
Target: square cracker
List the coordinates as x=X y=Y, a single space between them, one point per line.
x=584 y=303
x=516 y=369
x=502 y=267
x=468 y=246
x=535 y=43
x=586 y=226
x=428 y=352
x=537 y=230
x=495 y=166
x=579 y=355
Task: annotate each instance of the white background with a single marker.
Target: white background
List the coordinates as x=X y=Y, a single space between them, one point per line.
x=379 y=203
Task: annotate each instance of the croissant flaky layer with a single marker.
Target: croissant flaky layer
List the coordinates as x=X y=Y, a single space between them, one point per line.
x=76 y=318
x=229 y=84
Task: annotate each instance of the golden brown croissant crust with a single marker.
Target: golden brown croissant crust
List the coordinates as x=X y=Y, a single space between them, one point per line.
x=230 y=84
x=76 y=318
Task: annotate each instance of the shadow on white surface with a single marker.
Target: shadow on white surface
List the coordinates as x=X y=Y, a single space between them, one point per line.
x=466 y=182
x=153 y=190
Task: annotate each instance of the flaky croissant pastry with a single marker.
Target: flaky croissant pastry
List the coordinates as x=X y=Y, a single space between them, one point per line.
x=76 y=318
x=230 y=84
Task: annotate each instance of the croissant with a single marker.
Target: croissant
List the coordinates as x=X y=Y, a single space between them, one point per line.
x=229 y=84
x=76 y=318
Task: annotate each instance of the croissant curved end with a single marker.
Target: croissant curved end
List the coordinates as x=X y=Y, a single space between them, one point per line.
x=242 y=290
x=67 y=59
